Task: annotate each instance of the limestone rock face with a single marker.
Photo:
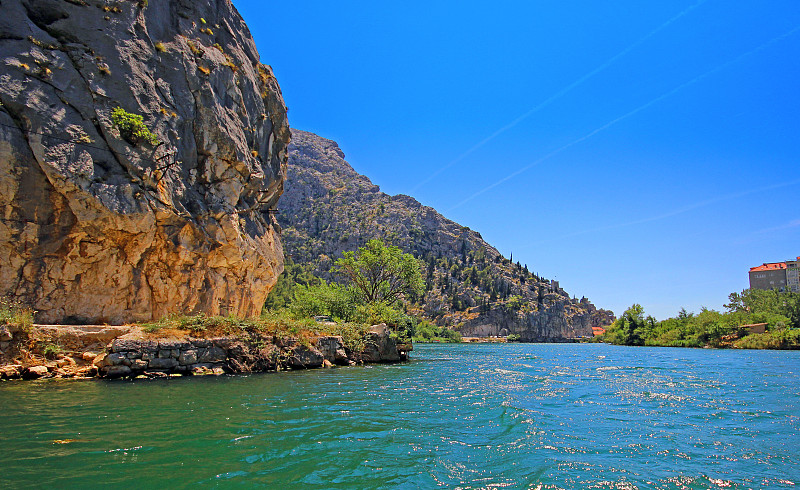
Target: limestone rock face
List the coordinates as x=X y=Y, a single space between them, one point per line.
x=96 y=223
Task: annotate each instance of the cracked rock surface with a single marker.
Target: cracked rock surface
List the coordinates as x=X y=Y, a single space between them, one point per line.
x=101 y=226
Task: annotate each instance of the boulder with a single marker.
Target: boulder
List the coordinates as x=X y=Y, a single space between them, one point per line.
x=11 y=371
x=380 y=346
x=89 y=356
x=304 y=357
x=101 y=361
x=117 y=359
x=5 y=334
x=332 y=348
x=163 y=363
x=117 y=371
x=201 y=368
x=65 y=362
x=101 y=224
x=139 y=365
x=212 y=354
x=34 y=372
x=188 y=357
x=266 y=358
x=123 y=345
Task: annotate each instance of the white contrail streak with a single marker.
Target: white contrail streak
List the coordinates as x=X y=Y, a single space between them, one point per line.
x=682 y=210
x=559 y=94
x=628 y=114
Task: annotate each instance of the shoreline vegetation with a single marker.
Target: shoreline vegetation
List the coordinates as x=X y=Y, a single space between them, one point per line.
x=365 y=318
x=755 y=319
x=361 y=320
x=292 y=339
x=190 y=345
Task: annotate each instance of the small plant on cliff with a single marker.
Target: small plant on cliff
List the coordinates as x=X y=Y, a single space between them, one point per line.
x=13 y=312
x=132 y=127
x=51 y=351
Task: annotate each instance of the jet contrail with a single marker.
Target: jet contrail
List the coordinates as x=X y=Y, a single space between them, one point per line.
x=628 y=114
x=682 y=210
x=558 y=94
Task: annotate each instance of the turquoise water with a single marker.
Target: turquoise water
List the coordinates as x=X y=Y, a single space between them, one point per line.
x=457 y=416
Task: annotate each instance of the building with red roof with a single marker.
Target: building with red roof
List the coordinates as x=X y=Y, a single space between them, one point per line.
x=783 y=276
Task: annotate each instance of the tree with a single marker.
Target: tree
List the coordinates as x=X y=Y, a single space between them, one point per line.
x=381 y=274
x=772 y=302
x=628 y=329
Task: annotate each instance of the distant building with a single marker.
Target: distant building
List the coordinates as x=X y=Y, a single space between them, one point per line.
x=783 y=276
x=598 y=331
x=793 y=275
x=755 y=327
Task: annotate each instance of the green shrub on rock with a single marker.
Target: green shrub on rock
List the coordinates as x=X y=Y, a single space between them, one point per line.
x=132 y=127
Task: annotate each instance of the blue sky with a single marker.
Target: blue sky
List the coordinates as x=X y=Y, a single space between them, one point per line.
x=638 y=152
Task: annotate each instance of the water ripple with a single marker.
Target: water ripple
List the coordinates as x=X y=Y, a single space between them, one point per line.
x=458 y=416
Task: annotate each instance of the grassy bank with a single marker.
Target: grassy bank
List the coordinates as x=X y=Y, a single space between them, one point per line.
x=280 y=324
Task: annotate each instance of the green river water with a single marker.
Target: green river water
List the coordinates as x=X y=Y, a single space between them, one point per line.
x=456 y=416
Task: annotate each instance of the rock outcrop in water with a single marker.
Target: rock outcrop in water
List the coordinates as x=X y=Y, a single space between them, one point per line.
x=329 y=208
x=97 y=223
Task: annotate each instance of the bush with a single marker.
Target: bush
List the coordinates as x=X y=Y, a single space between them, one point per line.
x=132 y=128
x=779 y=339
x=51 y=351
x=13 y=312
x=328 y=299
x=280 y=324
x=428 y=332
x=353 y=335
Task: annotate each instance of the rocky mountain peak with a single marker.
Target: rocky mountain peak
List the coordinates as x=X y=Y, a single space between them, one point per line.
x=329 y=208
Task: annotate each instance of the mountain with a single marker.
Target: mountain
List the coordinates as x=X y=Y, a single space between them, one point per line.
x=141 y=147
x=328 y=208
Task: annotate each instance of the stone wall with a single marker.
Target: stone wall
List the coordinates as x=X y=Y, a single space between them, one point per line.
x=123 y=356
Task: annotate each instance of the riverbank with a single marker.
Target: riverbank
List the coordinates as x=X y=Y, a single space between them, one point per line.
x=129 y=351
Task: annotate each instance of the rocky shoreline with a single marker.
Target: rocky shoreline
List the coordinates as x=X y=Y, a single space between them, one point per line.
x=95 y=351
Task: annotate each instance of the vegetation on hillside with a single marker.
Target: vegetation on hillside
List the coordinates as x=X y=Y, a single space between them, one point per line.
x=378 y=284
x=779 y=310
x=375 y=281
x=132 y=128
x=330 y=209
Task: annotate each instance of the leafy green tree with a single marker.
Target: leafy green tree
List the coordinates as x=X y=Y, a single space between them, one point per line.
x=294 y=275
x=629 y=329
x=771 y=302
x=380 y=274
x=325 y=299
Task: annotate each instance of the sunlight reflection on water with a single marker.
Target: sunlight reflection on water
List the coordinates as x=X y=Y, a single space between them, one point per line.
x=459 y=416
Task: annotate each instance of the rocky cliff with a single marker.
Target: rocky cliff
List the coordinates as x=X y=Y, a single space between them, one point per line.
x=329 y=208
x=162 y=207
